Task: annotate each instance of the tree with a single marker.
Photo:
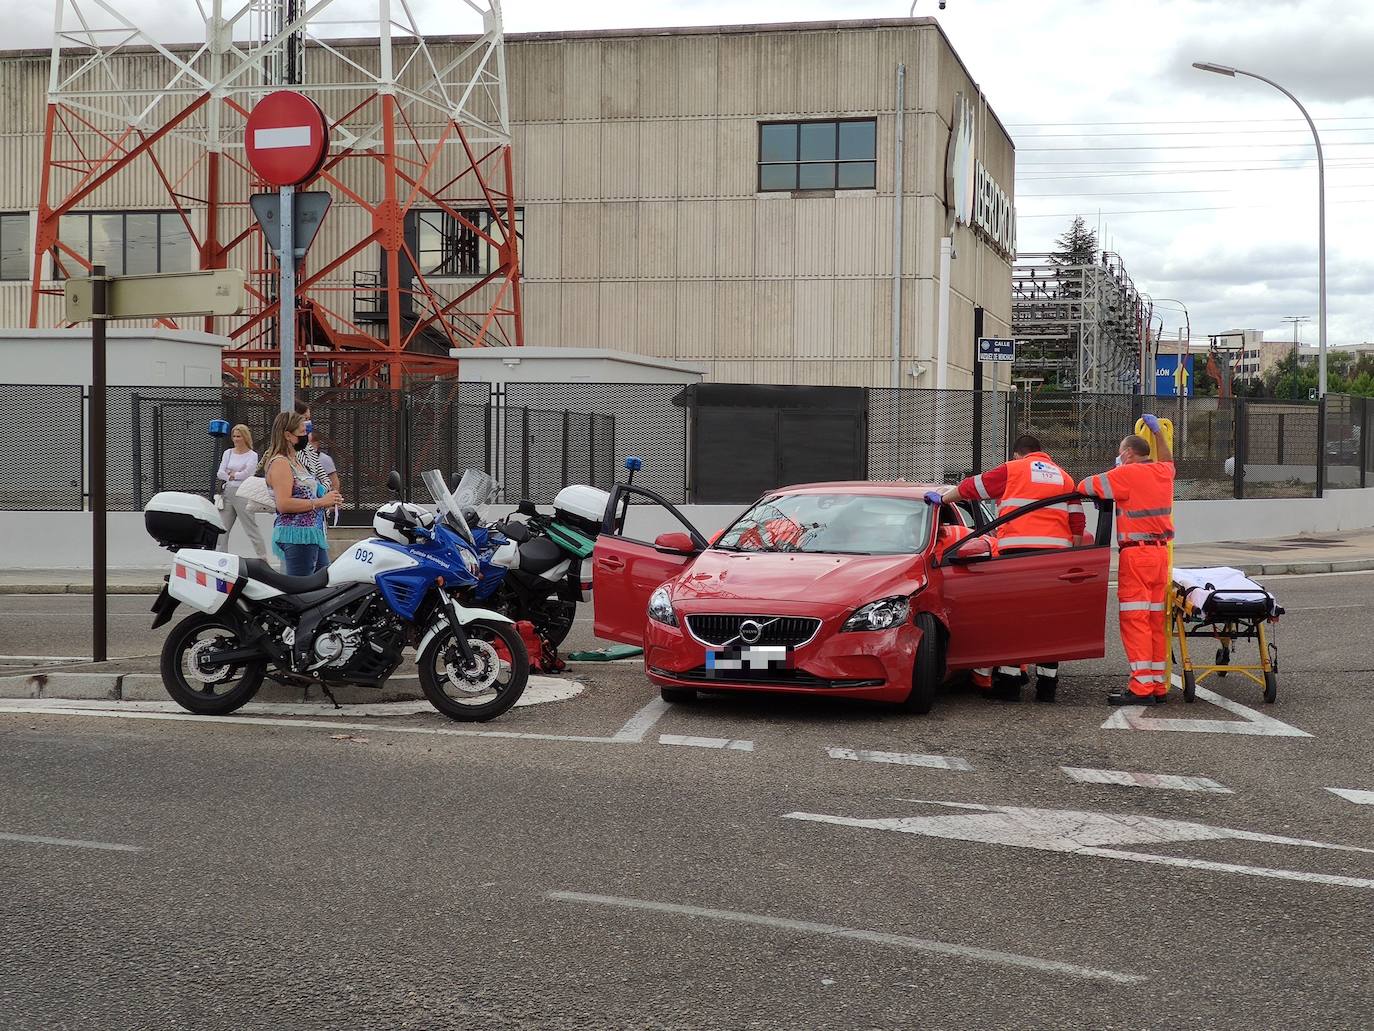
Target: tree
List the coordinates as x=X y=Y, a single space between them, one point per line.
x=1077 y=246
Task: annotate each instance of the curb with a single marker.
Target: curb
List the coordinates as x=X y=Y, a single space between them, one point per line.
x=81 y=588
x=141 y=688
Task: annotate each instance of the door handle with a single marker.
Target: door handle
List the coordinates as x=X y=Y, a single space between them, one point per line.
x=611 y=562
x=1077 y=576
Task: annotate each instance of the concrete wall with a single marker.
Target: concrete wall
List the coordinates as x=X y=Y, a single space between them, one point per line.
x=134 y=357
x=571 y=365
x=62 y=540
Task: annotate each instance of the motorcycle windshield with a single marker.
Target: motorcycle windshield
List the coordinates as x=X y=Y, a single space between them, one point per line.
x=445 y=504
x=475 y=489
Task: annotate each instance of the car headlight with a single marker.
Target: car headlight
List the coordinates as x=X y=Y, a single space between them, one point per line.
x=661 y=607
x=880 y=615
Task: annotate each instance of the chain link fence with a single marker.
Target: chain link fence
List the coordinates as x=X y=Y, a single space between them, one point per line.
x=535 y=438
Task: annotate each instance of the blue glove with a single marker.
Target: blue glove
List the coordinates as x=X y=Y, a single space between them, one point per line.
x=934 y=497
x=1152 y=422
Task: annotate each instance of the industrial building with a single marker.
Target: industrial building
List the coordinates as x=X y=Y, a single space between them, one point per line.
x=725 y=197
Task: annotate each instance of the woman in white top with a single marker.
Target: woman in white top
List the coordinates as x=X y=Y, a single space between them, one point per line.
x=239 y=463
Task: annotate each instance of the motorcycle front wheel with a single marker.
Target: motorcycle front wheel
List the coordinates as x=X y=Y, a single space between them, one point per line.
x=478 y=691
x=192 y=677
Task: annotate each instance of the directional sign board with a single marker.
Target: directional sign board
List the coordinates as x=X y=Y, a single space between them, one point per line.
x=217 y=292
x=996 y=349
x=308 y=210
x=1173 y=375
x=286 y=138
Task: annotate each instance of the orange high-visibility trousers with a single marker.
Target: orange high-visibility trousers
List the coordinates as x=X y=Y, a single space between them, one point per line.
x=1142 y=582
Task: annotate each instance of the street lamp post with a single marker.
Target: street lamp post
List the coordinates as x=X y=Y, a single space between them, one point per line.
x=1221 y=69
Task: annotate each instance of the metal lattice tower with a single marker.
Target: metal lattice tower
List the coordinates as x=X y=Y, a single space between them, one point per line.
x=1082 y=323
x=416 y=126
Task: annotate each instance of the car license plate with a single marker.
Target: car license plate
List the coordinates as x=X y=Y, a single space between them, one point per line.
x=755 y=657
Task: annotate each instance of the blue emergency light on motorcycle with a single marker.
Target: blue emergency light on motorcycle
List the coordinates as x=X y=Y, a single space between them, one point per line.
x=634 y=464
x=219 y=427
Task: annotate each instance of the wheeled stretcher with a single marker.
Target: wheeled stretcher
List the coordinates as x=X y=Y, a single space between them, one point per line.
x=1225 y=605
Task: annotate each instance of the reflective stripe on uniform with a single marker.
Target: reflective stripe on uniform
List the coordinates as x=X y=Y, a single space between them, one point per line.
x=1101 y=486
x=1148 y=678
x=1142 y=606
x=1140 y=665
x=1145 y=513
x=982 y=491
x=1034 y=542
x=1145 y=536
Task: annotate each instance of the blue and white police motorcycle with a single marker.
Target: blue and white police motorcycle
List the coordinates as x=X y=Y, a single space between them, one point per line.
x=348 y=624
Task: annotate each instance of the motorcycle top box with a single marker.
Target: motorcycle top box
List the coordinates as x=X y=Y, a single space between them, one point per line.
x=177 y=520
x=581 y=507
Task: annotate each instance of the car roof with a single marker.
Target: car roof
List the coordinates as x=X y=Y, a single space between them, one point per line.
x=886 y=488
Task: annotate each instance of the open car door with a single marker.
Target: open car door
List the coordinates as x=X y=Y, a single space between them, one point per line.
x=627 y=569
x=1019 y=607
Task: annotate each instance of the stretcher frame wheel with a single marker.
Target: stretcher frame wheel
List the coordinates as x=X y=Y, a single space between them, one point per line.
x=1223 y=659
x=1271 y=687
x=1189 y=686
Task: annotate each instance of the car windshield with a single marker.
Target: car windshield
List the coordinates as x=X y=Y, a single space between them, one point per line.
x=836 y=524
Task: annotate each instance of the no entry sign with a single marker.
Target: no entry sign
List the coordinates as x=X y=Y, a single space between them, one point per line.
x=287 y=138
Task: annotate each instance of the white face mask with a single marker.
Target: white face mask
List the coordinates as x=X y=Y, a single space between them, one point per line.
x=1118 y=459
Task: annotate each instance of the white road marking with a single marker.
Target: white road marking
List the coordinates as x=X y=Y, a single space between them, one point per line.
x=934 y=762
x=641 y=722
x=1087 y=834
x=1132 y=717
x=1354 y=795
x=282 y=137
x=9 y=659
x=1145 y=780
x=732 y=744
x=903 y=941
x=48 y=709
x=33 y=839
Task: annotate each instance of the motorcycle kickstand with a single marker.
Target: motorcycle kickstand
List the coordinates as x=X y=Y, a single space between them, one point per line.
x=329 y=694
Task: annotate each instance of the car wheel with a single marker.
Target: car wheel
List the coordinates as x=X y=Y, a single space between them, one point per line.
x=925 y=676
x=678 y=695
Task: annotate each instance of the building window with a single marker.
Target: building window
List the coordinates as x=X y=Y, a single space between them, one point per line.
x=818 y=155
x=127 y=243
x=14 y=245
x=447 y=249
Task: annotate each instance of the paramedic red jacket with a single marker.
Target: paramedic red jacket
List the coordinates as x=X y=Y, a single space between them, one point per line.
x=1018 y=483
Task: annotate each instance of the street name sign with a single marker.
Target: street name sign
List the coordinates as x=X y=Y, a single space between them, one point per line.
x=217 y=292
x=996 y=349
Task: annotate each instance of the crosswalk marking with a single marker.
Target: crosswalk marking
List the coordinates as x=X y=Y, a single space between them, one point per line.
x=1145 y=780
x=934 y=762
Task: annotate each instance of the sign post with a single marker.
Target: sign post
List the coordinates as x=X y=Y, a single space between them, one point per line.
x=99 y=559
x=286 y=140
x=97 y=299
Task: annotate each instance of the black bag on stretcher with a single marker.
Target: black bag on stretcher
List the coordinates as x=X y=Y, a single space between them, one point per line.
x=1226 y=605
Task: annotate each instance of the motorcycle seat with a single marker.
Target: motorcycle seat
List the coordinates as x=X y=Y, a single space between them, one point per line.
x=539 y=555
x=257 y=569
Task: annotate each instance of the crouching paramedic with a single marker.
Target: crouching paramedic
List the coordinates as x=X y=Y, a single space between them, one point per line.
x=1030 y=476
x=1143 y=494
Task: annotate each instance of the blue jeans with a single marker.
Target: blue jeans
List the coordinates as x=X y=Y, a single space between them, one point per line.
x=303 y=559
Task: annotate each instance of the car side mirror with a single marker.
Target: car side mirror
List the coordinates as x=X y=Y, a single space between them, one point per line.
x=971 y=549
x=679 y=543
x=393 y=482
x=526 y=508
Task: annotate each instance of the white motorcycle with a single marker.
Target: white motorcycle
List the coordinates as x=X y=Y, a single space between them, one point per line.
x=348 y=624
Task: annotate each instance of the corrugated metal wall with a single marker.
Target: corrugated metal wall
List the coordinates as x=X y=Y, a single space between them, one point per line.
x=635 y=162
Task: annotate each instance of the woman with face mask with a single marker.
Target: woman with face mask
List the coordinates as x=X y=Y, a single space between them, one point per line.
x=297 y=533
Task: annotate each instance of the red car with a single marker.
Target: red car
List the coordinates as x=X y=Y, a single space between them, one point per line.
x=864 y=590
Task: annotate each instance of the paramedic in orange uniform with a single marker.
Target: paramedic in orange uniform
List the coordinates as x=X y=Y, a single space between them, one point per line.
x=1030 y=476
x=1143 y=493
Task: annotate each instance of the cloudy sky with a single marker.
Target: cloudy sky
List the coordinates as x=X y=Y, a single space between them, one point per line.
x=1205 y=185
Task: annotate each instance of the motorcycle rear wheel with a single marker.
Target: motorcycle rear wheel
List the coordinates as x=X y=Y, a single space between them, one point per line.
x=498 y=681
x=224 y=689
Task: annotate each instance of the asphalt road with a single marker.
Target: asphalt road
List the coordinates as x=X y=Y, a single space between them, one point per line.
x=395 y=875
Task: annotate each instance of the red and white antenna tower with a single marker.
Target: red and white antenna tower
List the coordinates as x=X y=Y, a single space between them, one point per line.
x=420 y=253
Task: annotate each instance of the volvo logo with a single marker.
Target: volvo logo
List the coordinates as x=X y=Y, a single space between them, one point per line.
x=750 y=632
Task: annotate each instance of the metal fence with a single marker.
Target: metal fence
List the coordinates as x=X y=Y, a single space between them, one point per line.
x=536 y=437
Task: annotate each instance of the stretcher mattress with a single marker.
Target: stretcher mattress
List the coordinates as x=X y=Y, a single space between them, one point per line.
x=1225 y=592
